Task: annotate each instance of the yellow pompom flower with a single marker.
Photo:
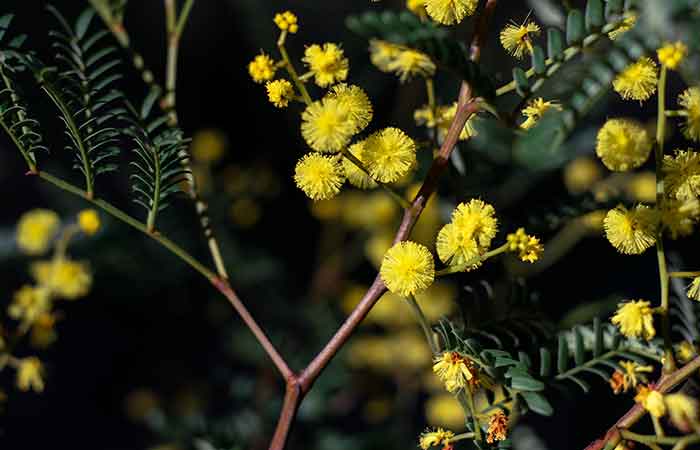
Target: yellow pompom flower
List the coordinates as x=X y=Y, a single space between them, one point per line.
x=682 y=174
x=456 y=246
x=325 y=125
x=383 y=54
x=528 y=247
x=417 y=7
x=353 y=99
x=627 y=23
x=450 y=12
x=498 y=428
x=638 y=81
x=411 y=63
x=407 y=268
x=287 y=21
x=517 y=39
x=433 y=438
x=455 y=370
x=30 y=375
x=208 y=146
x=89 y=221
x=535 y=110
x=36 y=229
x=652 y=401
x=356 y=176
x=327 y=63
x=319 y=176
x=280 y=92
x=689 y=100
x=682 y=410
x=693 y=291
x=631 y=231
x=623 y=144
x=262 y=68
x=635 y=319
x=29 y=303
x=468 y=235
x=63 y=278
x=672 y=54
x=390 y=154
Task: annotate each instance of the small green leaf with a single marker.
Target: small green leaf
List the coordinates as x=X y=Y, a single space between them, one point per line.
x=579 y=348
x=522 y=85
x=538 y=60
x=562 y=354
x=545 y=362
x=524 y=382
x=538 y=403
x=582 y=384
x=575 y=27
x=594 y=15
x=555 y=44
x=597 y=338
x=504 y=362
x=83 y=22
x=613 y=8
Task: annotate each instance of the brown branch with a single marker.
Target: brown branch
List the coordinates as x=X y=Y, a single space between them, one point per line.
x=665 y=384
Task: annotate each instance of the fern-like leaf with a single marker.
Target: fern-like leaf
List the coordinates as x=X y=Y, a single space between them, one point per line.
x=80 y=86
x=158 y=160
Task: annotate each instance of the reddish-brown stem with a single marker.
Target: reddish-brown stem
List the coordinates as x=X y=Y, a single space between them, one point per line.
x=482 y=30
x=665 y=384
x=224 y=287
x=292 y=400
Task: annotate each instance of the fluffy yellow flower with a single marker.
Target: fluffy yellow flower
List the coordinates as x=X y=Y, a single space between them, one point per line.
x=383 y=54
x=652 y=401
x=535 y=110
x=29 y=303
x=30 y=375
x=689 y=100
x=208 y=146
x=36 y=229
x=498 y=427
x=582 y=173
x=694 y=289
x=682 y=410
x=328 y=63
x=455 y=370
x=63 y=278
x=449 y=12
x=325 y=125
x=635 y=319
x=528 y=247
x=262 y=68
x=469 y=234
x=434 y=438
x=682 y=174
x=280 y=92
x=685 y=351
x=631 y=231
x=672 y=54
x=417 y=7
x=353 y=99
x=89 y=221
x=444 y=409
x=678 y=217
x=517 y=39
x=627 y=23
x=411 y=63
x=287 y=21
x=390 y=154
x=407 y=268
x=319 y=176
x=356 y=176
x=623 y=144
x=638 y=81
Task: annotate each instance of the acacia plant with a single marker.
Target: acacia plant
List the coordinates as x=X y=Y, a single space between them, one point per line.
x=621 y=48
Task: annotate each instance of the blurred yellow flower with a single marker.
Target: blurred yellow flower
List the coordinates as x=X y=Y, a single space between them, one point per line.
x=689 y=100
x=672 y=54
x=36 y=229
x=30 y=375
x=89 y=221
x=444 y=409
x=581 y=174
x=623 y=144
x=208 y=146
x=635 y=319
x=29 y=303
x=63 y=278
x=642 y=187
x=652 y=401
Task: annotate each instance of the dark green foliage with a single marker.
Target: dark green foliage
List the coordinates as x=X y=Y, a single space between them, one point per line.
x=555 y=44
x=522 y=86
x=594 y=15
x=538 y=60
x=406 y=29
x=613 y=7
x=80 y=85
x=575 y=28
x=158 y=159
x=15 y=118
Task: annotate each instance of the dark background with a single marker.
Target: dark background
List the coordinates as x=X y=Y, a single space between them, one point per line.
x=150 y=322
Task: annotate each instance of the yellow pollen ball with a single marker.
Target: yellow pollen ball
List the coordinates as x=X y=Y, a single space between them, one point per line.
x=36 y=229
x=89 y=221
x=64 y=278
x=623 y=145
x=327 y=63
x=638 y=81
x=635 y=319
x=682 y=174
x=356 y=102
x=631 y=231
x=356 y=176
x=30 y=375
x=262 y=68
x=286 y=21
x=672 y=54
x=535 y=110
x=689 y=100
x=390 y=154
x=319 y=176
x=407 y=268
x=449 y=12
x=517 y=39
x=280 y=92
x=325 y=125
x=408 y=64
x=528 y=247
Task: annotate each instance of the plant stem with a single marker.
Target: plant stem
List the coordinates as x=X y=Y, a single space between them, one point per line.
x=126 y=218
x=684 y=274
x=184 y=16
x=669 y=364
x=462 y=436
x=470 y=402
x=290 y=68
x=424 y=324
